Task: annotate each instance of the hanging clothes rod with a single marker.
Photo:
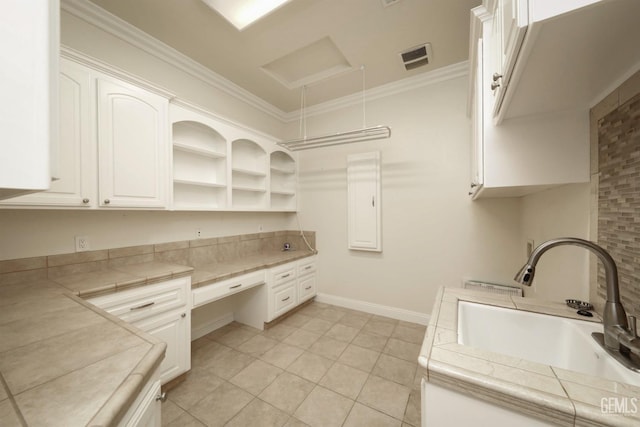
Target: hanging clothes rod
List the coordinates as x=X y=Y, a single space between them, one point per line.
x=359 y=135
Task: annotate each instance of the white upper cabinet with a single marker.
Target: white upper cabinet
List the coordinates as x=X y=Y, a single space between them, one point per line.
x=363 y=192
x=132 y=146
x=76 y=148
x=509 y=28
x=221 y=165
x=123 y=145
x=113 y=145
x=524 y=155
x=28 y=83
x=572 y=54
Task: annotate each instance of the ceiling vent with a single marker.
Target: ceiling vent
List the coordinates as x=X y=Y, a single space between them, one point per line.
x=416 y=56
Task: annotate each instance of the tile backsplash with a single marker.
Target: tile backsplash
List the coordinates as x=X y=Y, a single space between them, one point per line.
x=193 y=253
x=616 y=180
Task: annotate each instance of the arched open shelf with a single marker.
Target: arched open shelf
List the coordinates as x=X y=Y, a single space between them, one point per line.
x=199 y=167
x=248 y=175
x=283 y=181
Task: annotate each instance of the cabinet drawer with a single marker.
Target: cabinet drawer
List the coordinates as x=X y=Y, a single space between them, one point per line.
x=284 y=299
x=218 y=290
x=139 y=303
x=306 y=266
x=284 y=273
x=306 y=288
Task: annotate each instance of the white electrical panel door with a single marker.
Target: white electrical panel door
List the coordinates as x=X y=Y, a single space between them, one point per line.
x=364 y=213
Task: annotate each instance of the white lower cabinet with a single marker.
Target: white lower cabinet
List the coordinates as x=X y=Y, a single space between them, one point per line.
x=283 y=298
x=146 y=410
x=162 y=310
x=306 y=287
x=289 y=285
x=170 y=328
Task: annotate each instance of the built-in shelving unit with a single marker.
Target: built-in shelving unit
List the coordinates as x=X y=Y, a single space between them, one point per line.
x=283 y=181
x=248 y=175
x=220 y=165
x=199 y=167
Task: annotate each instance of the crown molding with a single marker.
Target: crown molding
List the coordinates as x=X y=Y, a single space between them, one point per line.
x=102 y=19
x=121 y=29
x=461 y=69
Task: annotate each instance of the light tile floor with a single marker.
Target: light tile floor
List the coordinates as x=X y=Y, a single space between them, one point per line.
x=322 y=366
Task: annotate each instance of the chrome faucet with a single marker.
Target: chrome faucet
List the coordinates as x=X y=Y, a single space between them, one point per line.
x=620 y=337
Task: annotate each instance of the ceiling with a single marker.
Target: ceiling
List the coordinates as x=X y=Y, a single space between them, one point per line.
x=273 y=57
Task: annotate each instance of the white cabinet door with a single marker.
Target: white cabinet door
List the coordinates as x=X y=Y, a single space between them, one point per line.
x=363 y=187
x=477 y=137
x=510 y=23
x=162 y=310
x=171 y=328
x=75 y=185
x=132 y=146
x=306 y=287
x=146 y=410
x=283 y=299
x=29 y=44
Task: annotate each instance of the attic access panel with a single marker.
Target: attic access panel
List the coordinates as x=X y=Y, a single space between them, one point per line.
x=308 y=64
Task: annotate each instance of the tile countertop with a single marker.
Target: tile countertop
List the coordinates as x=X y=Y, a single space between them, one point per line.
x=552 y=394
x=53 y=341
x=65 y=362
x=114 y=279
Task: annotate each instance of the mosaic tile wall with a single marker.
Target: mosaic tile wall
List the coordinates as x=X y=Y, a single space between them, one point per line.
x=619 y=198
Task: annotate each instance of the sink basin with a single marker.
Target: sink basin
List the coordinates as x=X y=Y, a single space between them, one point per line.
x=550 y=340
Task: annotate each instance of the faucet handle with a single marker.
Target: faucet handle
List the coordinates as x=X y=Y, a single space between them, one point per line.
x=632 y=326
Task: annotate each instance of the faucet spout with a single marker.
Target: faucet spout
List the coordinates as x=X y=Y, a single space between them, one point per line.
x=614 y=316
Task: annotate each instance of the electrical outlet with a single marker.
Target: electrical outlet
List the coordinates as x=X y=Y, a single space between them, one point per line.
x=82 y=243
x=198 y=233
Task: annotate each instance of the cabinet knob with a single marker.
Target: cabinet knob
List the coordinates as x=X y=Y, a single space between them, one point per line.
x=496 y=77
x=473 y=185
x=85 y=201
x=162 y=397
x=495 y=85
x=471 y=193
x=183 y=315
x=107 y=201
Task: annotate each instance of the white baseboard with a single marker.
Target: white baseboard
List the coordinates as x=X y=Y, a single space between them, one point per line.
x=369 y=307
x=211 y=326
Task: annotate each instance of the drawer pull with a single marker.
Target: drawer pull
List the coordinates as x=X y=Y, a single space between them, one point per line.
x=140 y=307
x=236 y=286
x=307 y=288
x=307 y=267
x=285 y=299
x=284 y=276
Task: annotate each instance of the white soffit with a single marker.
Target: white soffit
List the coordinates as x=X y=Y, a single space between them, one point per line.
x=242 y=13
x=309 y=64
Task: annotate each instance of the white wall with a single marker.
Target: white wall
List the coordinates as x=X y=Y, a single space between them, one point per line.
x=563 y=272
x=27 y=233
x=433 y=234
